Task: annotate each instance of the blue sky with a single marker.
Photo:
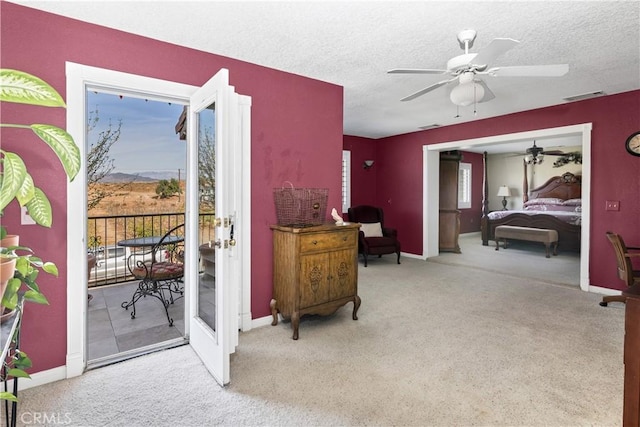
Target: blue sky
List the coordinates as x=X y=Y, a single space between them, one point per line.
x=148 y=141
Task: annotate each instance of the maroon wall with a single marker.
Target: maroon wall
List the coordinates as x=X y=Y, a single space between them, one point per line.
x=614 y=173
x=296 y=133
x=363 y=181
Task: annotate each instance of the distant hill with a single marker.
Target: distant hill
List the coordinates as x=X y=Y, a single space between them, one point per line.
x=150 y=176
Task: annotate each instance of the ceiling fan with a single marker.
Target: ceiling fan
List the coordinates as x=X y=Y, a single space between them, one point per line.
x=534 y=154
x=468 y=67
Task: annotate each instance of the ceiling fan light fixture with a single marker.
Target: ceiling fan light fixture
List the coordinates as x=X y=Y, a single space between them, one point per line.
x=530 y=159
x=466 y=94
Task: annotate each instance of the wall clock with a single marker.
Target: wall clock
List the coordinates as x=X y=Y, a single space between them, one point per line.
x=633 y=144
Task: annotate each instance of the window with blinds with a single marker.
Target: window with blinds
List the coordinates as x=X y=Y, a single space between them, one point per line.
x=346 y=180
x=464 y=186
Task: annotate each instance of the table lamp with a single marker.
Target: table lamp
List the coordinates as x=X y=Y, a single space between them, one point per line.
x=504 y=192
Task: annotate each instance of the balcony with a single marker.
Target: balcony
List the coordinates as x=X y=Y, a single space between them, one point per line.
x=112 y=333
x=104 y=233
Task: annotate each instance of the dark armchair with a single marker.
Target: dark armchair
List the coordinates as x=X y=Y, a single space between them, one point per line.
x=374 y=237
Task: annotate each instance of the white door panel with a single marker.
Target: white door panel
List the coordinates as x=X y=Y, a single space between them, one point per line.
x=214 y=138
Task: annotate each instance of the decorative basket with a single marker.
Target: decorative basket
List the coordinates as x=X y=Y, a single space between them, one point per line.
x=300 y=207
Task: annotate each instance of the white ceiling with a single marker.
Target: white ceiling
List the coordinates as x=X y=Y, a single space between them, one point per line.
x=354 y=43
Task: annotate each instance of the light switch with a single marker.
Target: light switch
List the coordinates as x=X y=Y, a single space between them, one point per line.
x=25 y=218
x=612 y=205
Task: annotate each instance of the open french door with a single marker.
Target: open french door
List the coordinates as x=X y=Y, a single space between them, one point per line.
x=213 y=261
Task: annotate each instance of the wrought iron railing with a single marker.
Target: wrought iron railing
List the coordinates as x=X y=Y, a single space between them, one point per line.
x=104 y=233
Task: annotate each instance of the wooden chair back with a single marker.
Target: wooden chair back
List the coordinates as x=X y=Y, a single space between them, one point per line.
x=625 y=269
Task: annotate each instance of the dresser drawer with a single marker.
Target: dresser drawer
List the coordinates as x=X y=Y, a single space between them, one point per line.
x=328 y=241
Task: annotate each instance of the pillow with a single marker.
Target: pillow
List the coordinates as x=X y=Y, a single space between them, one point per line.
x=373 y=229
x=573 y=202
x=538 y=208
x=544 y=201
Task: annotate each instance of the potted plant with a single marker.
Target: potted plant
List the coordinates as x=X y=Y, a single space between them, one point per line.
x=17 y=184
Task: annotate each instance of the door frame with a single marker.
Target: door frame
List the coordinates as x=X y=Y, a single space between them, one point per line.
x=79 y=78
x=431 y=188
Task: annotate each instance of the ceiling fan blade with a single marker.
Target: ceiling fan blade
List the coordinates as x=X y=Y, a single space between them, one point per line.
x=556 y=70
x=415 y=71
x=427 y=89
x=497 y=47
x=554 y=153
x=488 y=95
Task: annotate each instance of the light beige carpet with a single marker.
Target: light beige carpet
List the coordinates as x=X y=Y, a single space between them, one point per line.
x=435 y=345
x=520 y=259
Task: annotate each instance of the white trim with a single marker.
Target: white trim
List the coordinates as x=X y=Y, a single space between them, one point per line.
x=79 y=78
x=604 y=291
x=414 y=256
x=465 y=169
x=40 y=378
x=244 y=221
x=431 y=170
x=430 y=191
x=262 y=321
x=346 y=181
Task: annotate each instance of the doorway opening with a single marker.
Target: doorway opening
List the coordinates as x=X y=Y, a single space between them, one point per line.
x=82 y=78
x=431 y=157
x=136 y=181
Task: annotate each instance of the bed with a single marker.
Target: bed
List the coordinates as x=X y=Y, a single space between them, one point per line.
x=555 y=205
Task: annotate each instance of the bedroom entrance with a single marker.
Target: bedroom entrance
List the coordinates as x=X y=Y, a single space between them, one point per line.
x=431 y=155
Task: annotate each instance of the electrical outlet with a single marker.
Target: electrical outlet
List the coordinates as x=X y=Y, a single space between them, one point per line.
x=612 y=205
x=25 y=218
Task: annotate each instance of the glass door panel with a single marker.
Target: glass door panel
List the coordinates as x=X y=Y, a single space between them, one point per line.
x=206 y=305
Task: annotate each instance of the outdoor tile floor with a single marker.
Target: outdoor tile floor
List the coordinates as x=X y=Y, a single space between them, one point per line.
x=111 y=330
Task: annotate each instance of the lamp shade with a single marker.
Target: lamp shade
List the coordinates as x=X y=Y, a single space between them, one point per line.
x=466 y=94
x=504 y=191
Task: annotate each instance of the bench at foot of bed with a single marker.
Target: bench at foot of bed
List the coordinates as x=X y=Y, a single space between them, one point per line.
x=542 y=235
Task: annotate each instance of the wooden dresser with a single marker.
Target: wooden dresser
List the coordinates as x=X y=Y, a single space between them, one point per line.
x=315 y=271
x=449 y=213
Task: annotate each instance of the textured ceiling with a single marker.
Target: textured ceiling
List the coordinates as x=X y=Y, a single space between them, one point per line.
x=354 y=43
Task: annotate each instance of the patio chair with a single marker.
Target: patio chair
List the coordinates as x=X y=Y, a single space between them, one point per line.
x=162 y=276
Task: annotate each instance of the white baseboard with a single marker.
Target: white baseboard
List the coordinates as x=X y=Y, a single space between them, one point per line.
x=40 y=378
x=604 y=291
x=262 y=321
x=407 y=255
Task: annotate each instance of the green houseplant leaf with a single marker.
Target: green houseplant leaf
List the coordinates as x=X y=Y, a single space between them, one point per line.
x=40 y=208
x=26 y=190
x=5 y=395
x=63 y=145
x=50 y=268
x=13 y=174
x=18 y=86
x=10 y=297
x=35 y=296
